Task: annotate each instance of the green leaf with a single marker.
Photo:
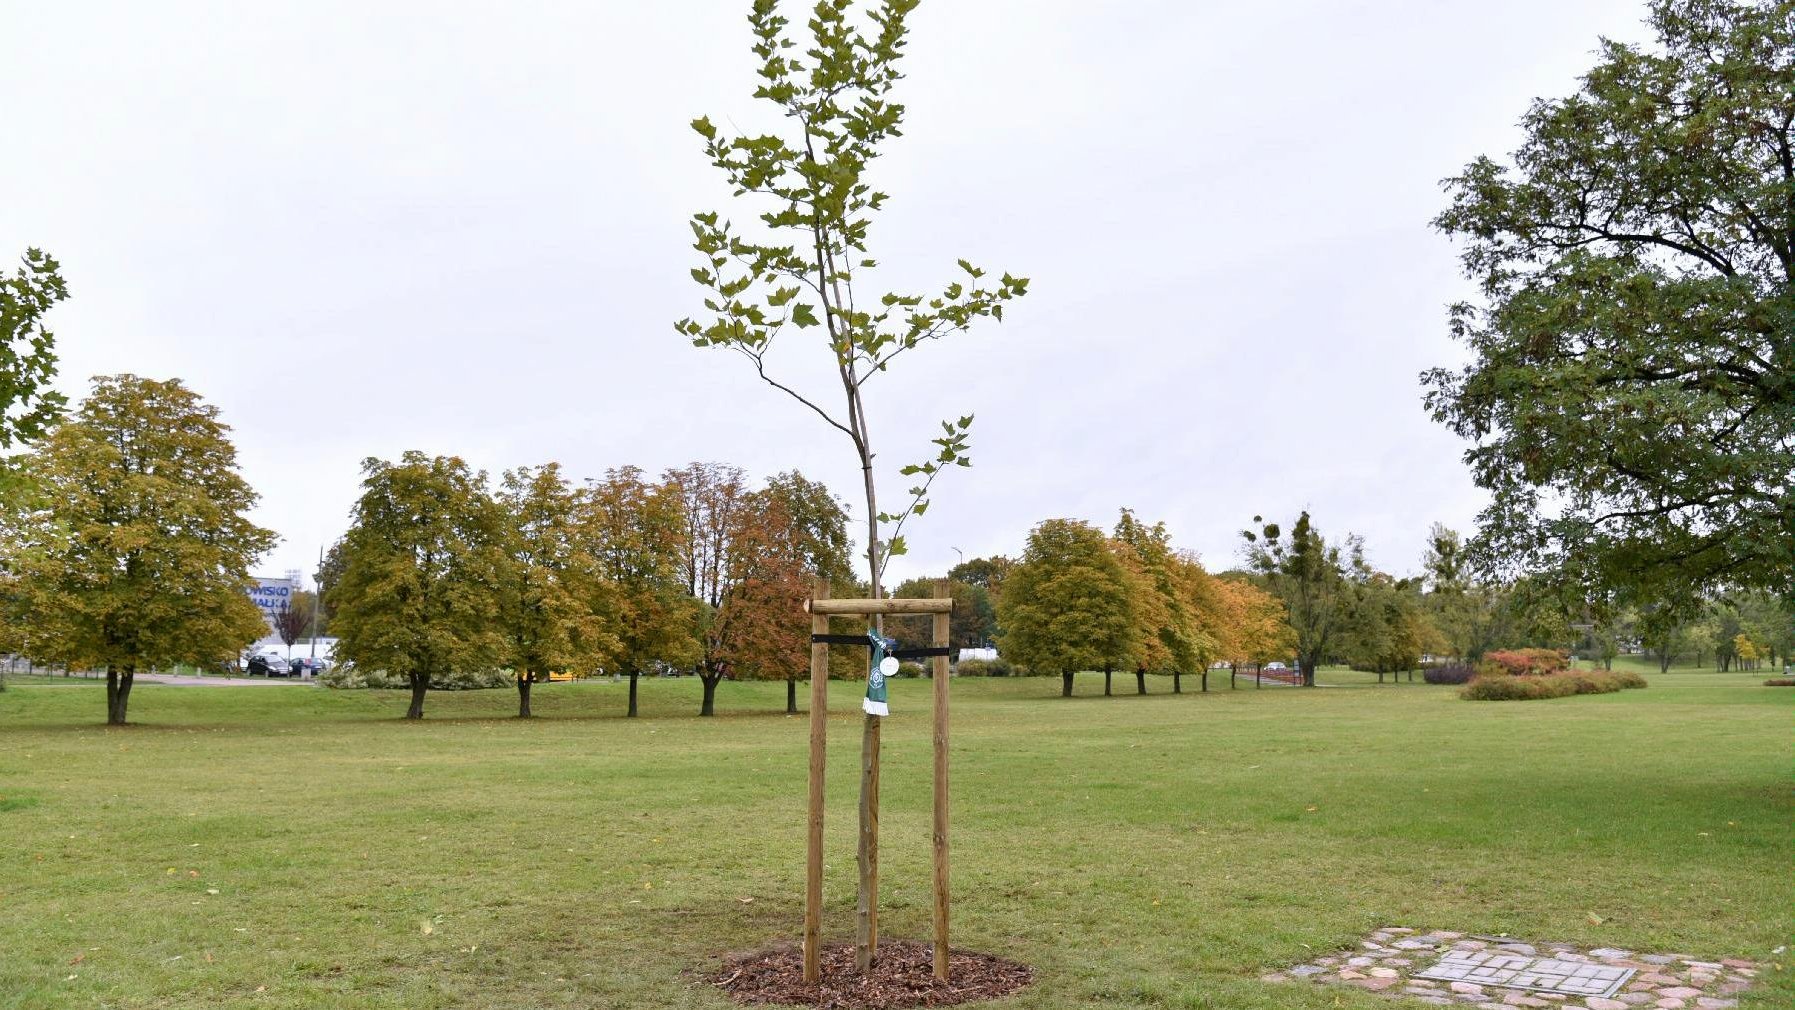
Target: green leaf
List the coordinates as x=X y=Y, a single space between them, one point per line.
x=804 y=315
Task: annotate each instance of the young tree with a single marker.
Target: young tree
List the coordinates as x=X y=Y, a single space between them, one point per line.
x=1316 y=580
x=808 y=266
x=140 y=557
x=804 y=270
x=635 y=529
x=422 y=558
x=1068 y=606
x=28 y=406
x=556 y=610
x=1629 y=390
x=291 y=619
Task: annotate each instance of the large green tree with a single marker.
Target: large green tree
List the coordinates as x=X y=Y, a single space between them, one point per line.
x=1632 y=367
x=556 y=610
x=1317 y=581
x=635 y=529
x=1069 y=605
x=421 y=565
x=139 y=556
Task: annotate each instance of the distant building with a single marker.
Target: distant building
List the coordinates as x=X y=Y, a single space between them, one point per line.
x=272 y=596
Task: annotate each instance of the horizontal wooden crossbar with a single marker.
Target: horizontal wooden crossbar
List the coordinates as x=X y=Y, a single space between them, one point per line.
x=863 y=642
x=886 y=606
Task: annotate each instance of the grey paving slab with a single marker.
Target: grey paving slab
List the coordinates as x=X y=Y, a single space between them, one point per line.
x=1534 y=974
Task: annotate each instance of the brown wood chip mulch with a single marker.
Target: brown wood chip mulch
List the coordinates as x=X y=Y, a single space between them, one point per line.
x=902 y=976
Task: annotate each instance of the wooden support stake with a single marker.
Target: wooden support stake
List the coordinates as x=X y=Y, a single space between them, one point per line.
x=819 y=738
x=866 y=905
x=940 y=678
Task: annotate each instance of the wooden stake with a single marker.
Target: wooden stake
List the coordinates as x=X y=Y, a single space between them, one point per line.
x=940 y=677
x=866 y=905
x=819 y=738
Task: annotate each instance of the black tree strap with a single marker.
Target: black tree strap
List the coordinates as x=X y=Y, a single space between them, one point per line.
x=861 y=640
x=839 y=640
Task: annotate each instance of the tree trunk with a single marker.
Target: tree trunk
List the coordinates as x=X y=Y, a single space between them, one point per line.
x=709 y=705
x=1206 y=680
x=633 y=676
x=791 y=696
x=1177 y=682
x=118 y=693
x=1308 y=668
x=1233 y=672
x=1140 y=681
x=1106 y=672
x=1664 y=662
x=1258 y=675
x=420 y=683
x=524 y=681
x=1065 y=685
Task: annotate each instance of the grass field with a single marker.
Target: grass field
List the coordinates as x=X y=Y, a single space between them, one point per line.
x=305 y=848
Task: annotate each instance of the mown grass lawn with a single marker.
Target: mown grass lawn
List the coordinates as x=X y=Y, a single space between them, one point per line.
x=304 y=848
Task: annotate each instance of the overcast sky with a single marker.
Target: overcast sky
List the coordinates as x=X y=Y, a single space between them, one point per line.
x=362 y=228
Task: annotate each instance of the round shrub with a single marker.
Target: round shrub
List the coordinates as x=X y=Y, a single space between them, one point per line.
x=1500 y=687
x=1449 y=673
x=909 y=669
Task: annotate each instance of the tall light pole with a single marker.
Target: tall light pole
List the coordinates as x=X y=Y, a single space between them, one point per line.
x=312 y=631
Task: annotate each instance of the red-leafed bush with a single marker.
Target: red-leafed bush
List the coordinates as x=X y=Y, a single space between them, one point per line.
x=1526 y=662
x=1501 y=687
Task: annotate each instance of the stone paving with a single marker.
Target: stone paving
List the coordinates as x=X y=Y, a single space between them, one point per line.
x=1444 y=968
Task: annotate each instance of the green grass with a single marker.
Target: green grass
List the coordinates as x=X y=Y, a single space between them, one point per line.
x=1160 y=851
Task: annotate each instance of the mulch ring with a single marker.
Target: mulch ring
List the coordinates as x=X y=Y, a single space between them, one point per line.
x=901 y=976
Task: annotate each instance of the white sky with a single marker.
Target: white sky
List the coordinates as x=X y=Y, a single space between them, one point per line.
x=364 y=228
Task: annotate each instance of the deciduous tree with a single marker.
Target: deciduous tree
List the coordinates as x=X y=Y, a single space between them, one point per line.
x=140 y=555
x=422 y=564
x=1171 y=638
x=1248 y=623
x=1633 y=352
x=556 y=610
x=1068 y=605
x=1315 y=579
x=635 y=528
